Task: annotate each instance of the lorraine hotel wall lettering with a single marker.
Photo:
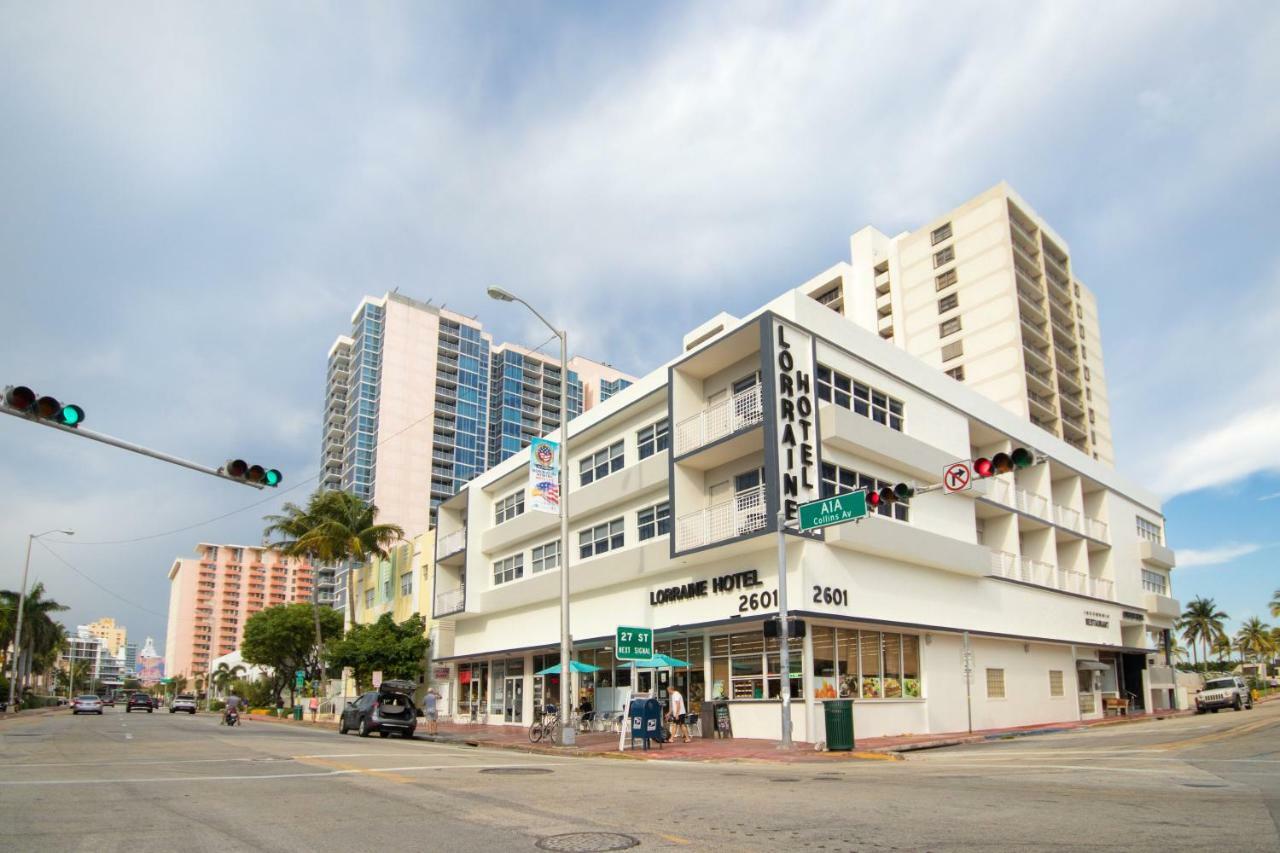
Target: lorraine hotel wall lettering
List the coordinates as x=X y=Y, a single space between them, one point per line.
x=797 y=427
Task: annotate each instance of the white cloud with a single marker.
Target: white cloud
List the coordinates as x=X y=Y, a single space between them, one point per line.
x=1191 y=557
x=1244 y=445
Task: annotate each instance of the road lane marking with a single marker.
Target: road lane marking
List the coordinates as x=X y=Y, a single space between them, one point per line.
x=264 y=777
x=1234 y=731
x=674 y=839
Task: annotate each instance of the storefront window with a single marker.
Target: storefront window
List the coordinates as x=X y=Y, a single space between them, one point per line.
x=869 y=664
x=824 y=663
x=473 y=689
x=910 y=666
x=795 y=658
x=891 y=648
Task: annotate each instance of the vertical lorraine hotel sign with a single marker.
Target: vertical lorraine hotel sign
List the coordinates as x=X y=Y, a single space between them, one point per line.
x=796 y=417
x=544 y=476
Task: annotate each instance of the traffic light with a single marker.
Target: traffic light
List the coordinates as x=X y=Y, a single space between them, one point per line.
x=23 y=399
x=238 y=469
x=1003 y=463
x=889 y=495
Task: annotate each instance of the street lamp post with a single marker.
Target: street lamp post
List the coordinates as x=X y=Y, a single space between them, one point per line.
x=22 y=600
x=568 y=733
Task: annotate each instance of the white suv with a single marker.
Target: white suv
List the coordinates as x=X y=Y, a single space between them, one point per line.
x=1228 y=692
x=184 y=702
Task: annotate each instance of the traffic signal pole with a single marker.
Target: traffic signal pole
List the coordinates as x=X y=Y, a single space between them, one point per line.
x=131 y=447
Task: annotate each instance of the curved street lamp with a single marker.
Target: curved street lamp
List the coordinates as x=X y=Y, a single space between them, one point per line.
x=568 y=734
x=22 y=599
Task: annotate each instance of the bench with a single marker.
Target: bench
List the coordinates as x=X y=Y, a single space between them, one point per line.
x=1116 y=704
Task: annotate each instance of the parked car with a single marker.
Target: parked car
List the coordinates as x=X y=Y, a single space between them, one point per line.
x=109 y=701
x=387 y=710
x=86 y=704
x=141 y=701
x=1219 y=693
x=183 y=702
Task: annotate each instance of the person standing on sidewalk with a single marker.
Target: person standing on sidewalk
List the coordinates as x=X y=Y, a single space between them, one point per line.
x=315 y=707
x=678 y=713
x=430 y=709
x=279 y=706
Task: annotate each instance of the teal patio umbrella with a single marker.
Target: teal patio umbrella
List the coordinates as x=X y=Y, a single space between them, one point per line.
x=574 y=666
x=661 y=661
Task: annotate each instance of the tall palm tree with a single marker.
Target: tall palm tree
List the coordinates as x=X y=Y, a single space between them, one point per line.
x=1177 y=651
x=1275 y=603
x=1222 y=648
x=335 y=527
x=1202 y=622
x=1254 y=638
x=40 y=634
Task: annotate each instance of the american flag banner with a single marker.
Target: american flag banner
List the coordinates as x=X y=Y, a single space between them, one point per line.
x=544 y=476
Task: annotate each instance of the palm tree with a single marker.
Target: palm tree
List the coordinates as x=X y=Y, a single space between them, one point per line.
x=335 y=527
x=224 y=675
x=1177 y=651
x=1222 y=648
x=40 y=634
x=1275 y=603
x=1254 y=638
x=1202 y=622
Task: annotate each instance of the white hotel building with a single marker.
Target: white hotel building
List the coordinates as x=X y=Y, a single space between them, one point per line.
x=1055 y=576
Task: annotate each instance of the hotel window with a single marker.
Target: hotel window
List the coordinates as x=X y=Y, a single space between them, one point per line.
x=1055 y=682
x=939 y=234
x=600 y=539
x=955 y=349
x=948 y=303
x=995 y=683
x=839 y=481
x=654 y=521
x=944 y=256
x=835 y=387
x=600 y=464
x=865 y=664
x=237 y=554
x=956 y=373
x=505 y=571
x=509 y=507
x=212 y=555
x=949 y=327
x=368 y=598
x=653 y=438
x=545 y=557
x=1155 y=582
x=946 y=279
x=1149 y=530
x=386 y=588
x=406 y=583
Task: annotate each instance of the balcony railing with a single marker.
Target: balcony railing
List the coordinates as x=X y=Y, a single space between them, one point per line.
x=449 y=602
x=1006 y=565
x=453 y=543
x=1070 y=581
x=723 y=418
x=1095 y=529
x=1102 y=588
x=1068 y=518
x=1036 y=571
x=744 y=513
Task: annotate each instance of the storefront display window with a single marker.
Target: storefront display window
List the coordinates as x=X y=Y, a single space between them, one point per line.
x=743 y=667
x=473 y=689
x=868 y=664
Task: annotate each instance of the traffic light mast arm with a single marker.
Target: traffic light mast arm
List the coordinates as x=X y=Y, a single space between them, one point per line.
x=134 y=448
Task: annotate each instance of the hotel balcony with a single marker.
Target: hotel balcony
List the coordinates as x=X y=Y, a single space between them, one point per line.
x=1037 y=359
x=1035 y=329
x=1155 y=554
x=1040 y=573
x=449 y=602
x=1032 y=307
x=741 y=515
x=1004 y=493
x=1161 y=605
x=882 y=283
x=724 y=418
x=451 y=544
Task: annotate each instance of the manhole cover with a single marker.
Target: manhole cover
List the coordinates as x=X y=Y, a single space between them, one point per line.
x=588 y=842
x=516 y=771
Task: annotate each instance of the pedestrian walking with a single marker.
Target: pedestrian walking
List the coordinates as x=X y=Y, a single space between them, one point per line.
x=430 y=709
x=678 y=713
x=279 y=706
x=315 y=707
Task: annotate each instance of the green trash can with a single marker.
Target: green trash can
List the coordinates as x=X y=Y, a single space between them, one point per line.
x=838 y=714
x=297 y=712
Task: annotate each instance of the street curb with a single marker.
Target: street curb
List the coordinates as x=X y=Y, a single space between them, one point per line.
x=33 y=712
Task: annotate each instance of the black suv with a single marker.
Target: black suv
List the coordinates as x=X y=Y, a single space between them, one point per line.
x=141 y=701
x=388 y=709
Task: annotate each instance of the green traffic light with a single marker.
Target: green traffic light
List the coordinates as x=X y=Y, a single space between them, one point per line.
x=70 y=416
x=272 y=477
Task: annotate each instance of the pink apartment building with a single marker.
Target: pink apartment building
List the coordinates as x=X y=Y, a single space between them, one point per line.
x=212 y=595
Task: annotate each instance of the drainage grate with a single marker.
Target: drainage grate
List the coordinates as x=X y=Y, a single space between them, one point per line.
x=516 y=771
x=588 y=842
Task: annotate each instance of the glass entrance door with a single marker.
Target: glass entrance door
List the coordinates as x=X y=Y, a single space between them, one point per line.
x=513 y=699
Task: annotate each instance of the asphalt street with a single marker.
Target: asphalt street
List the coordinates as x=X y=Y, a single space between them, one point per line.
x=155 y=782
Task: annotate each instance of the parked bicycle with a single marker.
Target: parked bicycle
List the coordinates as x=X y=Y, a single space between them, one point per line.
x=548 y=726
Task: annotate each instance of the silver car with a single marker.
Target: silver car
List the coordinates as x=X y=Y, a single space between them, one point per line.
x=87 y=704
x=183 y=702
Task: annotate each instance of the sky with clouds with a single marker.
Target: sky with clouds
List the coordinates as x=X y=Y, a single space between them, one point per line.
x=195 y=197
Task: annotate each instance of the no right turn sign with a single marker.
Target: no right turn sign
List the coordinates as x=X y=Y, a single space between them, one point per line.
x=957 y=477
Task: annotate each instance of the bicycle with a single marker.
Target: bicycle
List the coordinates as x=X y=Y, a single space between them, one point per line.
x=547 y=727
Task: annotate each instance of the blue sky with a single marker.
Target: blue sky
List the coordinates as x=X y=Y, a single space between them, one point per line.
x=196 y=196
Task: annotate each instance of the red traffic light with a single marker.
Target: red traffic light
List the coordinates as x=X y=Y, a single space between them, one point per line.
x=19 y=397
x=873 y=499
x=1003 y=463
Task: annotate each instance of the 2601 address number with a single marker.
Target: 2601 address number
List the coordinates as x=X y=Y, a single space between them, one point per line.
x=757 y=601
x=830 y=595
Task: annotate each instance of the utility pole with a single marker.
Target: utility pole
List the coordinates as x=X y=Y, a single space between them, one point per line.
x=22 y=600
x=784 y=631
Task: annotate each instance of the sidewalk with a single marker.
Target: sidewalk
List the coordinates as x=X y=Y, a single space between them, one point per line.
x=605 y=744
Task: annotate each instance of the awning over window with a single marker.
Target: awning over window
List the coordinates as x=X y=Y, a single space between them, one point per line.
x=1098 y=666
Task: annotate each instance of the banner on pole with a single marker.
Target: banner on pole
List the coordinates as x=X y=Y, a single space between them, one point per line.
x=544 y=476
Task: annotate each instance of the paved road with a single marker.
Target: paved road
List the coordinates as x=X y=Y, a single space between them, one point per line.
x=160 y=782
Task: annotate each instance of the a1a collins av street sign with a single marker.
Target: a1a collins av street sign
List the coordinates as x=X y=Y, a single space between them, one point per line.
x=633 y=644
x=836 y=509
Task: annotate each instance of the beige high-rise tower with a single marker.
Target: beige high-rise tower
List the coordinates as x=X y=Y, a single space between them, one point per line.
x=988 y=293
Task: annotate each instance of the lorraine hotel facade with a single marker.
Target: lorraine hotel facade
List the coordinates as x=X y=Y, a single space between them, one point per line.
x=1042 y=575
